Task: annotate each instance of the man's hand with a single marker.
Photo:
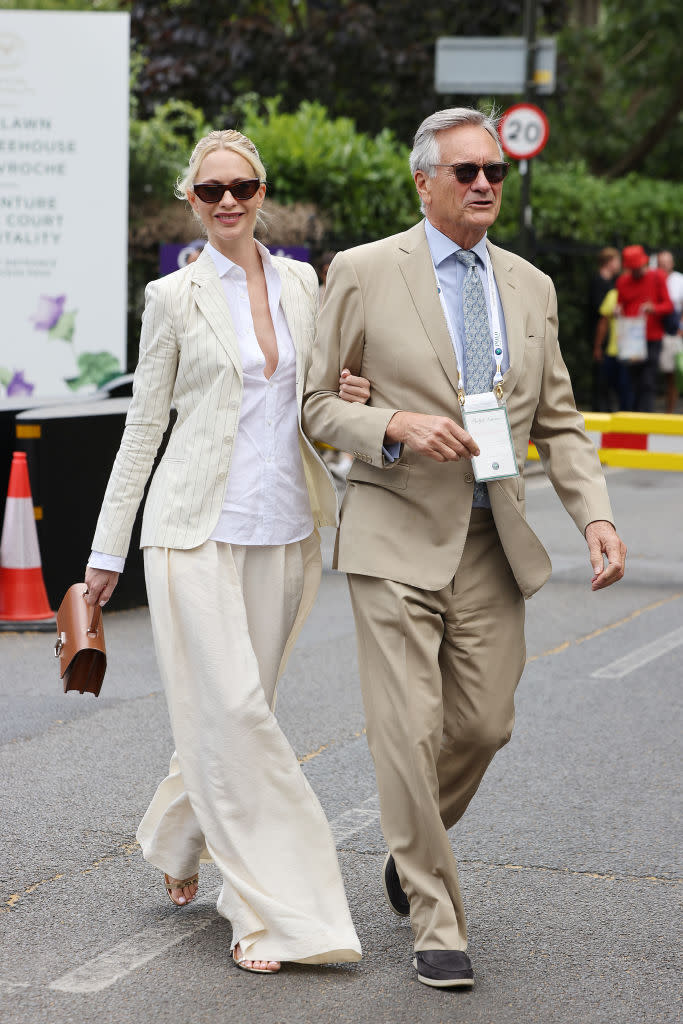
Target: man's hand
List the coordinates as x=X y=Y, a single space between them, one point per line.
x=437 y=437
x=603 y=539
x=353 y=389
x=100 y=584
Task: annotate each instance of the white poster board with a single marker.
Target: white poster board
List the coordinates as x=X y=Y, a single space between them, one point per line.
x=63 y=200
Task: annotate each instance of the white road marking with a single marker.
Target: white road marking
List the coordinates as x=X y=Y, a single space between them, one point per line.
x=126 y=956
x=355 y=820
x=7 y=986
x=115 y=963
x=641 y=656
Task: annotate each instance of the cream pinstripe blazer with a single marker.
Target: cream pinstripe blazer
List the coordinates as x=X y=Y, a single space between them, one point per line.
x=189 y=358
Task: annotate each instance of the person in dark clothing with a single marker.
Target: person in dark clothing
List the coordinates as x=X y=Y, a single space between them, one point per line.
x=609 y=265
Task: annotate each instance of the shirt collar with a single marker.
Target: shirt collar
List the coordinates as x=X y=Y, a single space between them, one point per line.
x=441 y=246
x=224 y=266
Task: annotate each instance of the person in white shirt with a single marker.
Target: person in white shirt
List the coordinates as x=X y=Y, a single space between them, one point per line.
x=232 y=566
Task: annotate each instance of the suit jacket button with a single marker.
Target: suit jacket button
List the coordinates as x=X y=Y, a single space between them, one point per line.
x=469 y=478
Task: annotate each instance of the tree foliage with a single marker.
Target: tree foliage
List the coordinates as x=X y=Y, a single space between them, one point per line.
x=362 y=184
x=620 y=94
x=160 y=147
x=372 y=62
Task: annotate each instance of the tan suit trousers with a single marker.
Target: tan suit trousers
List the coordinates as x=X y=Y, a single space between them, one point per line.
x=438 y=672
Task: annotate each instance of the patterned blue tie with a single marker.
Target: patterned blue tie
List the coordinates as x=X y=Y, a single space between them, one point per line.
x=478 y=357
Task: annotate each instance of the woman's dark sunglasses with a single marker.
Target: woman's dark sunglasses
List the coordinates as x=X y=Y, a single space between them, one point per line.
x=211 y=193
x=467 y=173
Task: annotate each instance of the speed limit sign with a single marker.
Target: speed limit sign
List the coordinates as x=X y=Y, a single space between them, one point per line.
x=523 y=131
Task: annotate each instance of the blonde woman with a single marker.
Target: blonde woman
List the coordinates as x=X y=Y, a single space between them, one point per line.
x=232 y=566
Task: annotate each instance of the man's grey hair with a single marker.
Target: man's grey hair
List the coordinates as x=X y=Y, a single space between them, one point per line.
x=426 y=152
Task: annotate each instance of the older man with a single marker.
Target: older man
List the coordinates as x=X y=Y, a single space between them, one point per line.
x=444 y=324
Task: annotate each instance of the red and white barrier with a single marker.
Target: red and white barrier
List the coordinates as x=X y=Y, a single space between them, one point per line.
x=635 y=440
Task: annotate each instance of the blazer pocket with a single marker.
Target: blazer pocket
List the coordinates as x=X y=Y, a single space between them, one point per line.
x=394 y=478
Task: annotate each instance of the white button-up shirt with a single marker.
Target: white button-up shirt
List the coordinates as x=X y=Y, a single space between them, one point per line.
x=266 y=498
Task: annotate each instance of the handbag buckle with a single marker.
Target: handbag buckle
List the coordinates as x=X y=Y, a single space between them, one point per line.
x=59 y=644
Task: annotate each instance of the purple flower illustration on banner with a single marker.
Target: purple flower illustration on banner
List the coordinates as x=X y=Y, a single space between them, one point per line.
x=50 y=309
x=18 y=385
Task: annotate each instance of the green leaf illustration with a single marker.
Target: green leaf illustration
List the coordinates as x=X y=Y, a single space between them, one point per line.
x=96 y=368
x=5 y=376
x=65 y=327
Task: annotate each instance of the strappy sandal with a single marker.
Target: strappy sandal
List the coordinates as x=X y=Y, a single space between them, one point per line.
x=239 y=962
x=180 y=883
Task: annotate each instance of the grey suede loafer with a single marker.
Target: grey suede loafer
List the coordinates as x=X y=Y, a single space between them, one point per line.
x=444 y=968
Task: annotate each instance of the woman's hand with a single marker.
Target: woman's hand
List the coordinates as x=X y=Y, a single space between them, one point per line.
x=353 y=389
x=100 y=584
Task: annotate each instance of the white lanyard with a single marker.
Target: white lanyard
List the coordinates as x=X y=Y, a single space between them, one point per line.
x=496 y=335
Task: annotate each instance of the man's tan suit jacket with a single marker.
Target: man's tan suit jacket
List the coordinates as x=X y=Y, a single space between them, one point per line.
x=408 y=521
x=189 y=358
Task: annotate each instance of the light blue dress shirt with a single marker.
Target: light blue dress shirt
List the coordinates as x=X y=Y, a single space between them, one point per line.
x=451 y=275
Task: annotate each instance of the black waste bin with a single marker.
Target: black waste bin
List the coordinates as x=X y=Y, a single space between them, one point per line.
x=9 y=410
x=70 y=451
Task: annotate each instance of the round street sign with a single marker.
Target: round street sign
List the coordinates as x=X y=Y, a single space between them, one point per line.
x=523 y=131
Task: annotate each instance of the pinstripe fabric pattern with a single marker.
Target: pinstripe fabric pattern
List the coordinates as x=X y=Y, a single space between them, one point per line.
x=189 y=358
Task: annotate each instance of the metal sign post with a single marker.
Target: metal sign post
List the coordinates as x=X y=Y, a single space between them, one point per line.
x=524 y=131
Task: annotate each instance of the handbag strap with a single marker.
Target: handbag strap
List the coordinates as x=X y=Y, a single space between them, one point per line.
x=95 y=620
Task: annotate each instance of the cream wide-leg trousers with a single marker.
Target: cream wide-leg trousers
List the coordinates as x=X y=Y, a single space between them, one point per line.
x=224 y=618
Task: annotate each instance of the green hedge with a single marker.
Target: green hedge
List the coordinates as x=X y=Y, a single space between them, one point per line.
x=362 y=184
x=570 y=203
x=364 y=188
x=160 y=148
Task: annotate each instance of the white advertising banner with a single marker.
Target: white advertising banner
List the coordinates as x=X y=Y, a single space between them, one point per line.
x=63 y=200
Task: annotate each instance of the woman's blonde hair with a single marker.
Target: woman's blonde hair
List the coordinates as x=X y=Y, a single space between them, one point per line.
x=230 y=139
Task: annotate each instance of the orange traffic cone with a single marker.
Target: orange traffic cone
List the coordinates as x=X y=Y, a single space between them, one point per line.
x=23 y=598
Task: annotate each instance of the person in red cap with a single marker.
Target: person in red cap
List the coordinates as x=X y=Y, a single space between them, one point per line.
x=642 y=291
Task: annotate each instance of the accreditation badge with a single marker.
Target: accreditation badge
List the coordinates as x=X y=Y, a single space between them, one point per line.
x=488 y=423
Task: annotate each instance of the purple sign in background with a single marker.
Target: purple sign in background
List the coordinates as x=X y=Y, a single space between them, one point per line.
x=171 y=257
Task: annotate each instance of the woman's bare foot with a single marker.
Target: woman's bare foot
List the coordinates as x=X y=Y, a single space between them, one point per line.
x=256 y=966
x=181 y=891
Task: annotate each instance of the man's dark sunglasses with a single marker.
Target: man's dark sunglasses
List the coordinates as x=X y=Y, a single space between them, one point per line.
x=211 y=193
x=467 y=173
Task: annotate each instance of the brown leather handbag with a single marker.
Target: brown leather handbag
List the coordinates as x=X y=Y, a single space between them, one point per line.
x=80 y=643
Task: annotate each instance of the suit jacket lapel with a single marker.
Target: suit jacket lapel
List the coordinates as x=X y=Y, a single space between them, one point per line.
x=415 y=263
x=511 y=301
x=210 y=298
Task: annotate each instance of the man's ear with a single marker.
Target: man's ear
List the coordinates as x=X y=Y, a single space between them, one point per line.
x=422 y=186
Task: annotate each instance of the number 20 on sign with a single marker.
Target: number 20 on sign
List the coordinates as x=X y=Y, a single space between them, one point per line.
x=523 y=130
